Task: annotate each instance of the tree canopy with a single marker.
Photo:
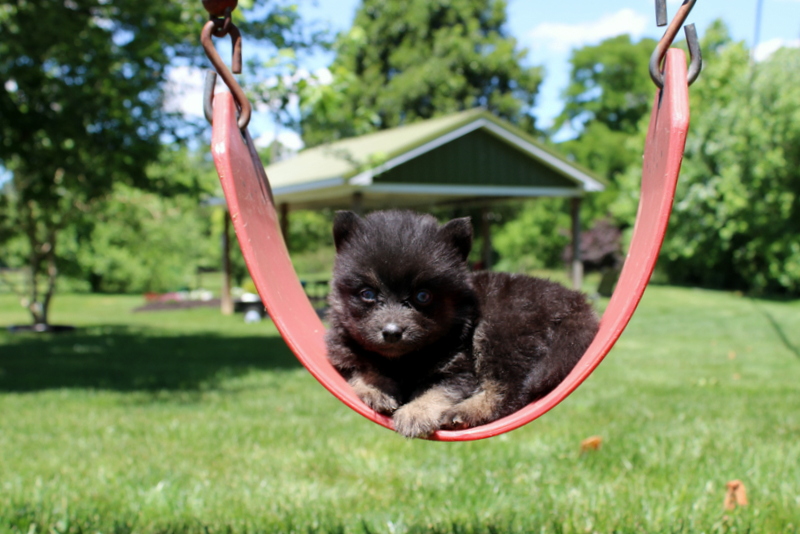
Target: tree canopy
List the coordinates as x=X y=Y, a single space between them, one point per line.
x=736 y=219
x=81 y=109
x=608 y=96
x=609 y=84
x=609 y=93
x=408 y=60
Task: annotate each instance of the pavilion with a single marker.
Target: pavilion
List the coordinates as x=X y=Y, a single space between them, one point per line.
x=467 y=157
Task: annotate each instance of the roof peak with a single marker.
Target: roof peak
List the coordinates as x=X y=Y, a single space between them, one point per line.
x=356 y=160
x=446 y=121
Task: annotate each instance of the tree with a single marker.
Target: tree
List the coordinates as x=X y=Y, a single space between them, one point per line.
x=609 y=93
x=536 y=237
x=140 y=241
x=736 y=220
x=409 y=60
x=81 y=110
x=609 y=84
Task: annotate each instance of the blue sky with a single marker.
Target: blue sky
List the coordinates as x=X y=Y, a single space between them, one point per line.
x=550 y=29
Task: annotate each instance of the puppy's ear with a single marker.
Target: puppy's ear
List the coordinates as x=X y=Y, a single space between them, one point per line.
x=345 y=224
x=458 y=233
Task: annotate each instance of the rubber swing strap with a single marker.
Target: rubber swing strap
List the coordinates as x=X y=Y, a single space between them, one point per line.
x=257 y=227
x=664 y=145
x=666 y=138
x=258 y=230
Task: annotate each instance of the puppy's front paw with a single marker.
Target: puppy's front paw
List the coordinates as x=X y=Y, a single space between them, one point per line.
x=474 y=411
x=459 y=419
x=376 y=399
x=417 y=420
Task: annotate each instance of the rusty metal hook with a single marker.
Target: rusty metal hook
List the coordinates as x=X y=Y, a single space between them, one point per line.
x=236 y=65
x=694 y=52
x=222 y=24
x=669 y=36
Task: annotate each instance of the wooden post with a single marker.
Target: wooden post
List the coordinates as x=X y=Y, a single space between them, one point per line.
x=577 y=262
x=285 y=223
x=226 y=300
x=358 y=203
x=486 y=233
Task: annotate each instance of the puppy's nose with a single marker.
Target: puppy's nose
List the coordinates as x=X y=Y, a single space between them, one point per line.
x=392 y=333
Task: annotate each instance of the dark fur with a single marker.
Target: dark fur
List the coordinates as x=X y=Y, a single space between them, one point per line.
x=486 y=345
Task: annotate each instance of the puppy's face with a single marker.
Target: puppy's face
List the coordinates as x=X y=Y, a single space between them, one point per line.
x=400 y=280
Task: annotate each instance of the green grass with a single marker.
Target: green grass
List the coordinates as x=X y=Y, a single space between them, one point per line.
x=189 y=422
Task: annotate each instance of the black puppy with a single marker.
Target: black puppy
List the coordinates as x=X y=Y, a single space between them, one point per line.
x=419 y=336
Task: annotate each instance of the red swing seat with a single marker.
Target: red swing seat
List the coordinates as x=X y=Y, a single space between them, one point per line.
x=258 y=230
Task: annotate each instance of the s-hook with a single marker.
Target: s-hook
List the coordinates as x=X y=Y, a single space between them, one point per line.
x=657 y=59
x=219 y=25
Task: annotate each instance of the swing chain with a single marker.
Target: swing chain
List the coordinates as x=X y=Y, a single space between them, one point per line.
x=220 y=24
x=661 y=13
x=657 y=59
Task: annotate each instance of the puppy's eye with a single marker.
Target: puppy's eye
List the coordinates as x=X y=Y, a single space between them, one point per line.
x=423 y=297
x=368 y=295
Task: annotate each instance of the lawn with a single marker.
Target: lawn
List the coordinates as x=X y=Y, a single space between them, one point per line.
x=189 y=422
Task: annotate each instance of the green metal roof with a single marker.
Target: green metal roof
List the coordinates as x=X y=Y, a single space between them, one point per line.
x=467 y=154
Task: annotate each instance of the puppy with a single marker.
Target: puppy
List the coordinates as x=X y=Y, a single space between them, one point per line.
x=421 y=338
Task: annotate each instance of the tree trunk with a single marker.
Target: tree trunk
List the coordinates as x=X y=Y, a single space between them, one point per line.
x=52 y=276
x=34 y=261
x=41 y=251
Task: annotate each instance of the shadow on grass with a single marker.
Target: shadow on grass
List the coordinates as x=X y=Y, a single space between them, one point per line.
x=126 y=359
x=779 y=331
